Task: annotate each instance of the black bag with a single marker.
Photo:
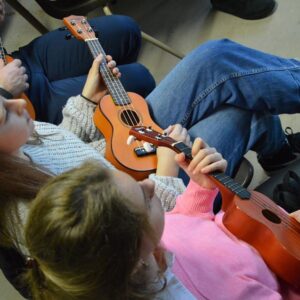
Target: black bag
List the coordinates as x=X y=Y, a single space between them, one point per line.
x=284 y=187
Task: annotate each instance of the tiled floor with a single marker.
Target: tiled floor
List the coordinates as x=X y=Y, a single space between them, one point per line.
x=183 y=25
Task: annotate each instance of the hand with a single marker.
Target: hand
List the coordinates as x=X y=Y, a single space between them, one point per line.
x=296 y=215
x=95 y=88
x=166 y=165
x=13 y=77
x=2 y=10
x=205 y=160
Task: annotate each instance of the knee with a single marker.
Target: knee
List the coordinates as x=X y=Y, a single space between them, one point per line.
x=216 y=57
x=122 y=25
x=215 y=49
x=137 y=78
x=146 y=81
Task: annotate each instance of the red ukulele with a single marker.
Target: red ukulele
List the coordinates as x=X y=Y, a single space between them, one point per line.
x=251 y=216
x=7 y=59
x=117 y=112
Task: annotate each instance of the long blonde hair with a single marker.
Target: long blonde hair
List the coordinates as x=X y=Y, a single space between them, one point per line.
x=85 y=239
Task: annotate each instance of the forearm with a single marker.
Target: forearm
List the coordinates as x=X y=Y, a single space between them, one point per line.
x=78 y=118
x=166 y=165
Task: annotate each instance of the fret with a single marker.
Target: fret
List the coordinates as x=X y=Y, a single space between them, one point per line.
x=231 y=185
x=114 y=86
x=181 y=147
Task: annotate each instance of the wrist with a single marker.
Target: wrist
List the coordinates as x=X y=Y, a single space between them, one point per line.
x=6 y=94
x=88 y=99
x=166 y=164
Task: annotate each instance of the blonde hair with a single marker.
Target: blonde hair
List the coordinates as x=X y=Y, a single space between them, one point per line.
x=85 y=237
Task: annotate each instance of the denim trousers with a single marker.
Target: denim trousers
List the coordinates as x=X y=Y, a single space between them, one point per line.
x=229 y=95
x=57 y=67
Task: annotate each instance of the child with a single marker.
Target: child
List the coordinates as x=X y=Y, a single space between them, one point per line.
x=98 y=231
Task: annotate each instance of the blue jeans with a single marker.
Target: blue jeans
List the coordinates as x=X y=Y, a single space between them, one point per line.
x=230 y=96
x=57 y=67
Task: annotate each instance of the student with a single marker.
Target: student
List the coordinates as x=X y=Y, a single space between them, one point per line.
x=205 y=83
x=51 y=69
x=99 y=231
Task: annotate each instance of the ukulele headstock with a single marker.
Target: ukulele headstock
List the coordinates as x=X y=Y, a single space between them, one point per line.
x=79 y=27
x=147 y=134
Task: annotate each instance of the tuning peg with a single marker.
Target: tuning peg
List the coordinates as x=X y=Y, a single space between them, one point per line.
x=68 y=36
x=62 y=28
x=131 y=139
x=148 y=147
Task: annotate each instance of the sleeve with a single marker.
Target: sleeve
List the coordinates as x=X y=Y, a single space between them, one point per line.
x=195 y=200
x=78 y=118
x=167 y=189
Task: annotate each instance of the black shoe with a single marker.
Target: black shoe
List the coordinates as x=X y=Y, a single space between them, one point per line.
x=246 y=9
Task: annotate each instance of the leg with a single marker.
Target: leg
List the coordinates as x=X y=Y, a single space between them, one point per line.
x=223 y=72
x=59 y=58
x=233 y=132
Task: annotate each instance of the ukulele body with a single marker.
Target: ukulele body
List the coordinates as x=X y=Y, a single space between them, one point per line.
x=114 y=122
x=29 y=105
x=276 y=236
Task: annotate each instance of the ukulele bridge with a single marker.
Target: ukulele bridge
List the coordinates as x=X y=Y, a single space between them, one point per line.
x=141 y=151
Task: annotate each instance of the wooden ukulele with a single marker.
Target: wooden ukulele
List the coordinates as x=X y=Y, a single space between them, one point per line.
x=117 y=112
x=251 y=216
x=7 y=59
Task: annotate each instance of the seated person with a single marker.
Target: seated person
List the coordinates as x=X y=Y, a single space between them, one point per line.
x=219 y=106
x=99 y=233
x=51 y=69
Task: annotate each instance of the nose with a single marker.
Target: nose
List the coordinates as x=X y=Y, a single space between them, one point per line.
x=16 y=105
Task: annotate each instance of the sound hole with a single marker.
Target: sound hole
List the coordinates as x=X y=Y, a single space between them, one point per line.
x=130 y=117
x=271 y=216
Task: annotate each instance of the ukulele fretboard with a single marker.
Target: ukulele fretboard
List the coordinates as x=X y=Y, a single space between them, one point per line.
x=114 y=85
x=224 y=179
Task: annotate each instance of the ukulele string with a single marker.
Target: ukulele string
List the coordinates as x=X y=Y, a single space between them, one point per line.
x=234 y=187
x=118 y=88
x=128 y=113
x=115 y=85
x=278 y=211
x=96 y=49
x=95 y=52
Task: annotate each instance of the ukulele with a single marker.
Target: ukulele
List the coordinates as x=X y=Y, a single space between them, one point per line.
x=250 y=216
x=117 y=112
x=7 y=59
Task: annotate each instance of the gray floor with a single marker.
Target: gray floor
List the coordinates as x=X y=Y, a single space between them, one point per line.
x=183 y=25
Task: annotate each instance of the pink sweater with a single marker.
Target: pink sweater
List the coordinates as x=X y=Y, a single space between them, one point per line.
x=209 y=260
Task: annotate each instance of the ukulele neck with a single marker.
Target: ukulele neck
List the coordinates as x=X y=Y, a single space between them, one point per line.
x=113 y=84
x=221 y=178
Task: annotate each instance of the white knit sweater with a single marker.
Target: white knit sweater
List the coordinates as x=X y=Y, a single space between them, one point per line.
x=77 y=140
